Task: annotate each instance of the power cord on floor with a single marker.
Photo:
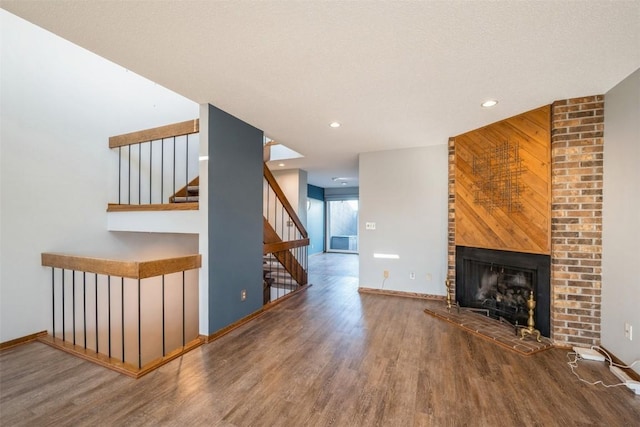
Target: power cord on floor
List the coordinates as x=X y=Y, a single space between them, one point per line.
x=610 y=360
x=573 y=364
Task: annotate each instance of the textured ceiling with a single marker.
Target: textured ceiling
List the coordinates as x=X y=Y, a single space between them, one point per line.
x=395 y=74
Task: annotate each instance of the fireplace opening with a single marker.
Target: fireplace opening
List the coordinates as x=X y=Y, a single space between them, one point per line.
x=498 y=284
x=503 y=292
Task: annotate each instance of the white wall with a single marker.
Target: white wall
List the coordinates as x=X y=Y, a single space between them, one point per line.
x=621 y=228
x=293 y=183
x=59 y=105
x=405 y=193
x=203 y=240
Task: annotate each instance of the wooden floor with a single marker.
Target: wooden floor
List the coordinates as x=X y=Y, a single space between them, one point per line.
x=328 y=356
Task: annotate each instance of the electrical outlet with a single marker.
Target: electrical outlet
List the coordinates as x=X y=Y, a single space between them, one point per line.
x=385 y=274
x=412 y=275
x=628 y=331
x=429 y=277
x=243 y=295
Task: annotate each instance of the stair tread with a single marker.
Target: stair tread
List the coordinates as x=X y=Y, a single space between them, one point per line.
x=186 y=199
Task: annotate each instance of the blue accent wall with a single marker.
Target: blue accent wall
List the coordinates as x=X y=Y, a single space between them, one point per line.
x=315 y=225
x=315 y=192
x=315 y=219
x=235 y=218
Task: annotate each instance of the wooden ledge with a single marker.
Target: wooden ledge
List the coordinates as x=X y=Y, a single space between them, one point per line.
x=129 y=269
x=191 y=206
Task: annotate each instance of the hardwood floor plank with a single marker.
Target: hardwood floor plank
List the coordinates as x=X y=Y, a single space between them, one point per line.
x=328 y=356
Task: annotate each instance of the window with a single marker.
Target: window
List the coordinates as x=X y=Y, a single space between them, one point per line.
x=342 y=226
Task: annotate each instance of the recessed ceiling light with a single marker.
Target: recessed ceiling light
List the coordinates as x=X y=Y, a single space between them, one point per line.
x=344 y=183
x=489 y=103
x=334 y=124
x=280 y=164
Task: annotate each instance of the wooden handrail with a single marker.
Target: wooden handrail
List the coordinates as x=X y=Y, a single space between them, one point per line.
x=284 y=256
x=283 y=199
x=129 y=269
x=269 y=248
x=168 y=131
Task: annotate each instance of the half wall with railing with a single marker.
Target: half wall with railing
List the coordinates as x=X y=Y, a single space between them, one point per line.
x=130 y=316
x=157 y=168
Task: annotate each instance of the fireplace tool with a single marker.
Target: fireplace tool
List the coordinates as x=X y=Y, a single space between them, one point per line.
x=449 y=286
x=530 y=328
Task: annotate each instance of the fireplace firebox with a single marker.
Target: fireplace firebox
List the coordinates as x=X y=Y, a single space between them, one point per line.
x=498 y=283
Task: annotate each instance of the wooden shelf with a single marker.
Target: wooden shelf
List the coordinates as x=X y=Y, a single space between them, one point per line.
x=191 y=206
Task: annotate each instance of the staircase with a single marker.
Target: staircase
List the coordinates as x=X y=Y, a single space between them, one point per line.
x=284 y=237
x=277 y=280
x=188 y=194
x=154 y=163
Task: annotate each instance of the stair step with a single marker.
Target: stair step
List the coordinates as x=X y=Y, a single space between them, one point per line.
x=278 y=275
x=193 y=190
x=285 y=287
x=272 y=264
x=187 y=199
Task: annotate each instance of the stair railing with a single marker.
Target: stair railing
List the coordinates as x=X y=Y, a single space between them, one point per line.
x=285 y=241
x=155 y=166
x=129 y=316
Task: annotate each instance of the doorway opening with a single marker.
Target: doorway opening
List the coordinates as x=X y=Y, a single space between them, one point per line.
x=342 y=226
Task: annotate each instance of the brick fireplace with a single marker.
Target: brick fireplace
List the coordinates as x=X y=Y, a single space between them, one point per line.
x=575 y=226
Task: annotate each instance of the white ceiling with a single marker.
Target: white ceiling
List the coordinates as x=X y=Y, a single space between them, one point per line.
x=395 y=74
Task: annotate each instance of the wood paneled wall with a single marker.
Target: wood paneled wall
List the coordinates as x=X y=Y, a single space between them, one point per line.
x=525 y=230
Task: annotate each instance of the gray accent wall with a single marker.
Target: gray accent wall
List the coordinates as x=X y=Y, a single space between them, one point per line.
x=620 y=225
x=315 y=226
x=235 y=218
